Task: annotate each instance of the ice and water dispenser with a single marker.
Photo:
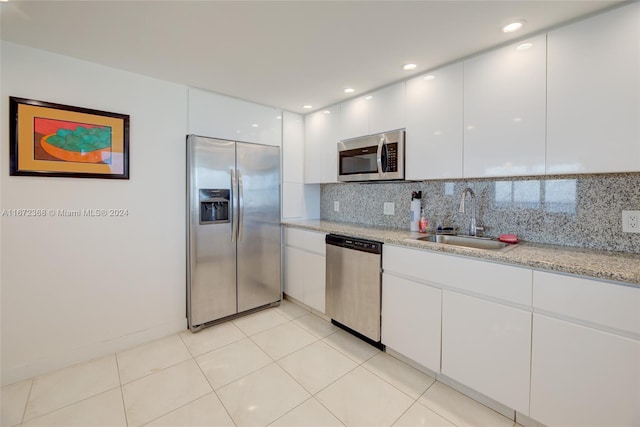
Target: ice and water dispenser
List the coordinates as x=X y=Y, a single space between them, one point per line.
x=214 y=205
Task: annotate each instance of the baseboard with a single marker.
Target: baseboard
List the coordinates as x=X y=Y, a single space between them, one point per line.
x=478 y=397
x=411 y=362
x=91 y=351
x=306 y=307
x=527 y=421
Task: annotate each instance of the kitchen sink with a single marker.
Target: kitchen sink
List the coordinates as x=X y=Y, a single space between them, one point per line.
x=468 y=242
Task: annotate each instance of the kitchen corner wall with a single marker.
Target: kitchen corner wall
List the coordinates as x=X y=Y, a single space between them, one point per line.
x=581 y=210
x=76 y=288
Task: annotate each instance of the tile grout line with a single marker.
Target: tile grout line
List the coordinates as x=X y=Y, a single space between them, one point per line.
x=213 y=390
x=26 y=403
x=124 y=406
x=71 y=404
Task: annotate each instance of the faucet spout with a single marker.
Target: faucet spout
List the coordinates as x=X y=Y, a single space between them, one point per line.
x=473 y=229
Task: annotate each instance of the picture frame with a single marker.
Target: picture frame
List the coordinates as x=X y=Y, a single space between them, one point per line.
x=49 y=139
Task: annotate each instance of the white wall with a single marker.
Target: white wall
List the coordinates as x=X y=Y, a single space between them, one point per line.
x=75 y=288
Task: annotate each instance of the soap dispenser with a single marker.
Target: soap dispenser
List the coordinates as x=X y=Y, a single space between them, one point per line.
x=416 y=202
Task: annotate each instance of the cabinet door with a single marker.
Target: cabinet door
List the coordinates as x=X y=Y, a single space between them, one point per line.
x=214 y=115
x=354 y=118
x=504 y=111
x=434 y=125
x=594 y=94
x=314 y=276
x=330 y=136
x=411 y=320
x=322 y=134
x=387 y=109
x=487 y=346
x=583 y=377
x=294 y=274
x=292 y=147
x=313 y=150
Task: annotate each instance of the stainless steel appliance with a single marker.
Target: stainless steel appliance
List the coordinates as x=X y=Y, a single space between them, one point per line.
x=233 y=228
x=372 y=158
x=353 y=275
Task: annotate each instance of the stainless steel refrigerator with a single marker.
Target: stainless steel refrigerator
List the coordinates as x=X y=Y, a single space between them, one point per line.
x=233 y=228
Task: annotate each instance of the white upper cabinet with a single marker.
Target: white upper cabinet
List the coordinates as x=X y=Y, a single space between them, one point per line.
x=387 y=109
x=292 y=147
x=355 y=118
x=223 y=117
x=322 y=134
x=594 y=94
x=434 y=124
x=504 y=111
x=376 y=112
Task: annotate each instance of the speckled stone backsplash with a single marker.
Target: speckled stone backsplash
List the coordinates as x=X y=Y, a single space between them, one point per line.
x=580 y=210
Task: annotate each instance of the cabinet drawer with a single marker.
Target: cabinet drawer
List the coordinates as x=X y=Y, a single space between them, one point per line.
x=308 y=240
x=606 y=304
x=479 y=277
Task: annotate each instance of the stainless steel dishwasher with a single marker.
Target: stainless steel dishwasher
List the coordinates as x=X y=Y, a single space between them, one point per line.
x=353 y=294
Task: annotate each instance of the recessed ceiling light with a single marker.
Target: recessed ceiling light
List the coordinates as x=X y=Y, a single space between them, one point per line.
x=408 y=67
x=349 y=90
x=512 y=26
x=279 y=117
x=327 y=112
x=307 y=107
x=255 y=125
x=368 y=97
x=429 y=77
x=524 y=46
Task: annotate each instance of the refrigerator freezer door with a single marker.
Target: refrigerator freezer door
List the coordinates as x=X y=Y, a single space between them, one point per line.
x=211 y=273
x=258 y=170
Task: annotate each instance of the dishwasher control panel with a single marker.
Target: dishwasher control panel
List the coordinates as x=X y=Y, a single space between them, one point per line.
x=355 y=244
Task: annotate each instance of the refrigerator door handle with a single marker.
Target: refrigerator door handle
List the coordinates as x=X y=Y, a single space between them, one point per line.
x=240 y=205
x=234 y=222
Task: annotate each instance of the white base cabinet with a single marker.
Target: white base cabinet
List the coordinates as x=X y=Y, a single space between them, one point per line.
x=582 y=376
x=411 y=320
x=304 y=267
x=585 y=362
x=487 y=346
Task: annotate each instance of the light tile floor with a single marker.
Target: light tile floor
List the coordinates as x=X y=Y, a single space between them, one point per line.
x=279 y=367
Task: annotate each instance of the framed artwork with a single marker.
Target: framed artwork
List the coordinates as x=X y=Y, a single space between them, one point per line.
x=48 y=139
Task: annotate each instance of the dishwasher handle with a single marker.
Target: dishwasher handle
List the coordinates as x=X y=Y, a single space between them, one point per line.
x=347 y=242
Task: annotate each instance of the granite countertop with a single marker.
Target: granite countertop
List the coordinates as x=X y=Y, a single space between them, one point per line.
x=612 y=266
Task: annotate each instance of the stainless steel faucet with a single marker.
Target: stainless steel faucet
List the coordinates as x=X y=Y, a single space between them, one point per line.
x=473 y=228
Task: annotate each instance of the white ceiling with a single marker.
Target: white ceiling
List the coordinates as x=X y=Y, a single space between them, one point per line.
x=283 y=54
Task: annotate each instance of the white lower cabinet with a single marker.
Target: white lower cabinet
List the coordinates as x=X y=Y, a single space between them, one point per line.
x=582 y=376
x=411 y=320
x=304 y=267
x=487 y=346
x=585 y=362
x=294 y=272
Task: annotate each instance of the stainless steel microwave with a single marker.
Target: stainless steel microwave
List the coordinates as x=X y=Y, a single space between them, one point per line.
x=372 y=158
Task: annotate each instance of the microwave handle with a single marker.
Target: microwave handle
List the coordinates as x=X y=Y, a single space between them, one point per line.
x=379 y=155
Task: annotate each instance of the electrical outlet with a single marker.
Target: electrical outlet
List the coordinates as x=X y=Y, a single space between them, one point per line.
x=631 y=221
x=389 y=208
x=336 y=206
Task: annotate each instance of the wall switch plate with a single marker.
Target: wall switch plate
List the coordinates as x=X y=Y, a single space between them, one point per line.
x=631 y=221
x=389 y=208
x=336 y=206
